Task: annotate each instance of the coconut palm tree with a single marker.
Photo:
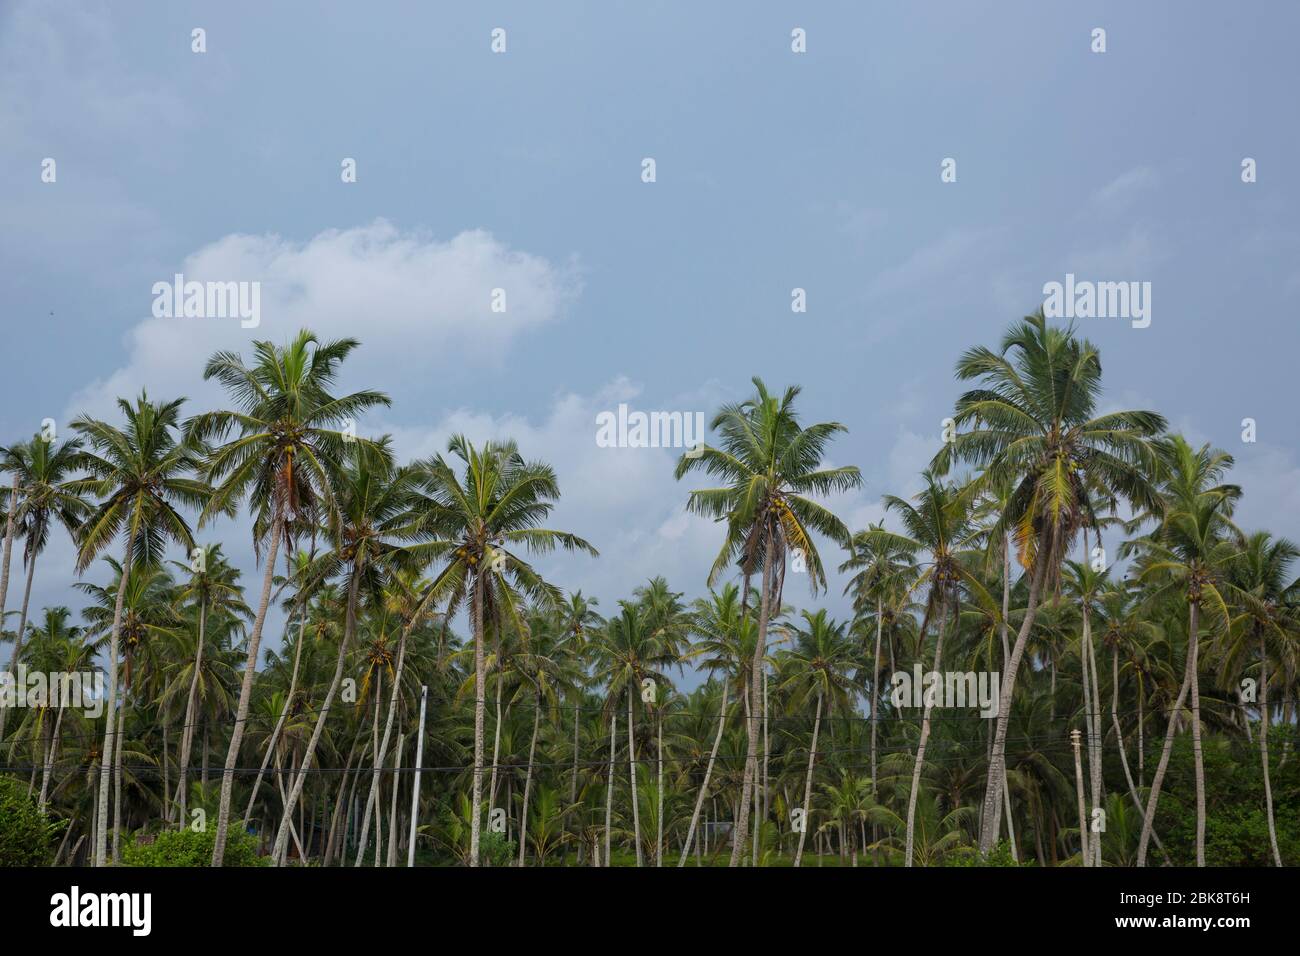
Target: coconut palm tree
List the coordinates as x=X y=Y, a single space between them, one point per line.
x=480 y=523
x=1260 y=584
x=1033 y=422
x=141 y=472
x=212 y=589
x=43 y=470
x=885 y=563
x=768 y=465
x=819 y=668
x=940 y=523
x=1188 y=553
x=287 y=436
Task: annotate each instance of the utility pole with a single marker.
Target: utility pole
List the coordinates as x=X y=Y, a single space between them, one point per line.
x=1078 y=786
x=419 y=762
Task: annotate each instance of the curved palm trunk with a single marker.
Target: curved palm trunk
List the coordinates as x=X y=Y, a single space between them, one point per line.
x=755 y=689
x=53 y=753
x=1119 y=738
x=246 y=691
x=284 y=715
x=920 y=746
x=1092 y=709
x=807 y=782
x=187 y=733
x=875 y=691
x=1263 y=745
x=992 y=811
x=631 y=763
x=528 y=780
x=382 y=752
x=708 y=772
x=22 y=615
x=110 y=705
x=1158 y=780
x=300 y=778
x=480 y=681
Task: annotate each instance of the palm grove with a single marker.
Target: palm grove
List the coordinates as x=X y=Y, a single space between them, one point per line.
x=554 y=734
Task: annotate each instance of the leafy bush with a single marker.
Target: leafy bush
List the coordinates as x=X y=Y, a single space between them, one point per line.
x=187 y=848
x=25 y=833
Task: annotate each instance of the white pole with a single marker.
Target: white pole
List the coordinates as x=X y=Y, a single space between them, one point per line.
x=419 y=761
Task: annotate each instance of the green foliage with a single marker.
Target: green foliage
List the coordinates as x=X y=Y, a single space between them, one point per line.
x=495 y=850
x=25 y=834
x=1000 y=855
x=187 y=848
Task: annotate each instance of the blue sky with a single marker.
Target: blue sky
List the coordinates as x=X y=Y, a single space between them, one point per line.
x=775 y=170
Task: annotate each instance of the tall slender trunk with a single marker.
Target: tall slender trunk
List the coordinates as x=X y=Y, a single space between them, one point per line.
x=117 y=776
x=528 y=779
x=659 y=830
x=300 y=778
x=992 y=810
x=1149 y=817
x=22 y=614
x=1119 y=738
x=875 y=690
x=609 y=782
x=496 y=738
x=1194 y=644
x=284 y=711
x=394 y=831
x=110 y=705
x=246 y=688
x=755 y=679
x=382 y=751
x=925 y=737
x=573 y=784
x=708 y=772
x=1092 y=711
x=187 y=732
x=53 y=754
x=631 y=763
x=1264 y=721
x=807 y=783
x=480 y=682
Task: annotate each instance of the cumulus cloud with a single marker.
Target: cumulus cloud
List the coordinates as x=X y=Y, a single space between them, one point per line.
x=418 y=303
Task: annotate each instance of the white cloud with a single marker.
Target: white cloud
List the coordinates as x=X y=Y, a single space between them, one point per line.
x=416 y=302
x=1121 y=192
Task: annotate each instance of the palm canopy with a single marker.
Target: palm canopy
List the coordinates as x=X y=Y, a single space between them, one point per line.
x=821 y=663
x=483 y=520
x=1033 y=422
x=291 y=431
x=142 y=472
x=769 y=464
x=44 y=470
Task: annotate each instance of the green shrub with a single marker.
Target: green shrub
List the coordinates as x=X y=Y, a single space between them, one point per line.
x=187 y=848
x=25 y=834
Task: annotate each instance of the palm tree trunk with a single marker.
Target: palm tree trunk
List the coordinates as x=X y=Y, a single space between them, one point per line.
x=1197 y=758
x=117 y=778
x=53 y=754
x=496 y=738
x=187 y=732
x=382 y=751
x=1263 y=745
x=631 y=762
x=22 y=616
x=573 y=784
x=300 y=779
x=659 y=832
x=875 y=690
x=755 y=688
x=807 y=783
x=609 y=782
x=284 y=711
x=246 y=689
x=528 y=779
x=480 y=681
x=1085 y=856
x=708 y=772
x=1091 y=707
x=395 y=831
x=1149 y=817
x=1119 y=738
x=925 y=737
x=106 y=756
x=992 y=811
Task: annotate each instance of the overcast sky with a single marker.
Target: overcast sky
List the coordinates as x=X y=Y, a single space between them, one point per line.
x=775 y=170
